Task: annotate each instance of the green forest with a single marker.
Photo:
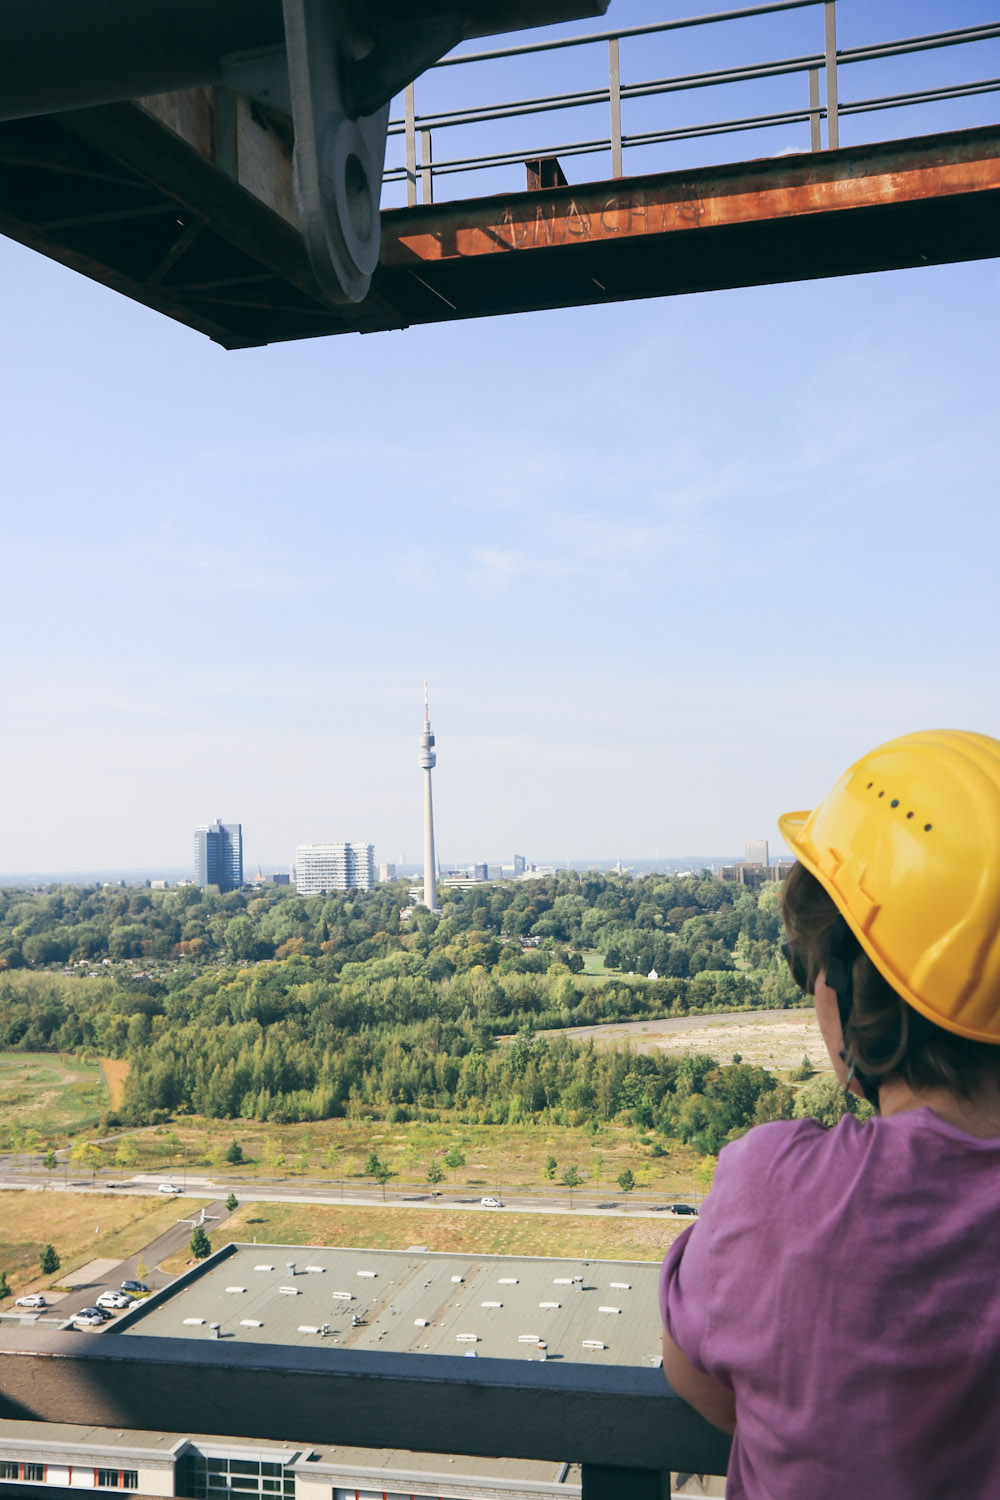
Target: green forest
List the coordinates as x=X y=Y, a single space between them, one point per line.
x=264 y=1005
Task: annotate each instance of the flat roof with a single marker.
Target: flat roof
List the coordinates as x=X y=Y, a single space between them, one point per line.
x=421 y=1302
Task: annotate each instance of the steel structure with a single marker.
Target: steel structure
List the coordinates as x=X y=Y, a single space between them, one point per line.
x=239 y=193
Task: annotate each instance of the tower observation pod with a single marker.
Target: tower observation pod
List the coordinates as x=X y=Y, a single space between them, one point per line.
x=428 y=760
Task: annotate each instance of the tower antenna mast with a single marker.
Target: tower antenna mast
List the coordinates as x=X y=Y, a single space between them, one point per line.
x=428 y=760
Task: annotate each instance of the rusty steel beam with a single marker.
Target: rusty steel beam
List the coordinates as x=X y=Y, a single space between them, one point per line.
x=867 y=208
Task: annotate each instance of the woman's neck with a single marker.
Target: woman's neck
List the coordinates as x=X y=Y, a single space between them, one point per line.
x=978 y=1116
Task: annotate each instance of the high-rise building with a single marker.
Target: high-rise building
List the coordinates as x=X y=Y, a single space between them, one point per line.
x=218 y=855
x=756 y=852
x=334 y=867
x=386 y=872
x=519 y=866
x=428 y=760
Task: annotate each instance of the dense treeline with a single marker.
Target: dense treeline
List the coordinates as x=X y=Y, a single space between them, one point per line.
x=274 y=1007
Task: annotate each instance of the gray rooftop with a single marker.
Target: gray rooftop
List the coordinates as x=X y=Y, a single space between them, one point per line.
x=585 y=1311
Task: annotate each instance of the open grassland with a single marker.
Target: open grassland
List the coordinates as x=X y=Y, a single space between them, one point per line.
x=46 y=1096
x=773 y=1039
x=81 y=1228
x=115 y=1070
x=474 y=1232
x=495 y=1156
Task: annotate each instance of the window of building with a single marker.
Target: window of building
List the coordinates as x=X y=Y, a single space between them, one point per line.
x=200 y=1478
x=9 y=1470
x=117 y=1479
x=34 y=1473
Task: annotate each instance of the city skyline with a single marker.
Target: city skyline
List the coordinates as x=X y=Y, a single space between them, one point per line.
x=676 y=562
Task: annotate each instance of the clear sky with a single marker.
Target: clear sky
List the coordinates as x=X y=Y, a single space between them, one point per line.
x=668 y=566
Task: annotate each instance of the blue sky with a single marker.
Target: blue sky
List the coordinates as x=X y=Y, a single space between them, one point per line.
x=668 y=566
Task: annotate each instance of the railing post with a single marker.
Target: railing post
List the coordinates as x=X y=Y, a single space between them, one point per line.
x=815 y=141
x=426 y=169
x=411 y=146
x=615 y=90
x=832 y=122
x=602 y=1482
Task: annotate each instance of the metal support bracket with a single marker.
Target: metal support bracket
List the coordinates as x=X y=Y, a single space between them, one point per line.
x=342 y=74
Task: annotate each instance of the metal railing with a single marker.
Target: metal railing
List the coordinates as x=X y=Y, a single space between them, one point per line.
x=420 y=170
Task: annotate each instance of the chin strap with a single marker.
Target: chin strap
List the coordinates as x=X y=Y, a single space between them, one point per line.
x=844 y=948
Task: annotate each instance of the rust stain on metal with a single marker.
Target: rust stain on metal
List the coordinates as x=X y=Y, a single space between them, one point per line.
x=669 y=205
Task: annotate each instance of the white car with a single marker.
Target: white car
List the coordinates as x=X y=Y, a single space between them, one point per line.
x=490 y=1203
x=33 y=1299
x=88 y=1320
x=113 y=1300
x=170 y=1188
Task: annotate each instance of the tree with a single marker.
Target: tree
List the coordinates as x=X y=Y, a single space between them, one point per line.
x=48 y=1260
x=372 y=1164
x=550 y=1167
x=4 y=1288
x=50 y=1161
x=234 y=1156
x=381 y=1175
x=454 y=1158
x=141 y=1270
x=823 y=1099
x=127 y=1154
x=434 y=1173
x=626 y=1180
x=571 y=1178
x=200 y=1244
x=232 y=1203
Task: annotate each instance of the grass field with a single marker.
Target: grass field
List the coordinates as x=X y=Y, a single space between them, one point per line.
x=472 y=1232
x=48 y=1096
x=81 y=1228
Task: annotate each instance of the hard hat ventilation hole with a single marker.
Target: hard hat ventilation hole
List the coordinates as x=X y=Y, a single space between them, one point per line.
x=909 y=815
x=927 y=827
x=869 y=786
x=894 y=802
x=881 y=794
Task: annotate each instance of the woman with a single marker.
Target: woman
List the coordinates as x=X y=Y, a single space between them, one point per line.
x=837 y=1306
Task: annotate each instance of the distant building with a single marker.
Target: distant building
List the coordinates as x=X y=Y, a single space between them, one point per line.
x=281 y=878
x=480 y=872
x=159 y=885
x=386 y=872
x=334 y=867
x=519 y=866
x=751 y=874
x=756 y=853
x=494 y=872
x=218 y=855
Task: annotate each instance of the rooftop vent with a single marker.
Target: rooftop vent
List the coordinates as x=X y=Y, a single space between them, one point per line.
x=621 y=1286
x=593 y=1344
x=308 y=1328
x=508 y=1281
x=342 y=1296
x=422 y=1322
x=370 y=1274
x=251 y=1323
x=193 y=1322
x=550 y=1304
x=528 y=1338
x=562 y=1281
x=467 y=1338
x=491 y=1304
x=263 y=1268
x=609 y=1309
x=316 y=1268
x=458 y=1278
x=235 y=1288
x=289 y=1291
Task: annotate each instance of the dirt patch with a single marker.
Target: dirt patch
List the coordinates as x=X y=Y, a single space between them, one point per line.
x=115 y=1070
x=776 y=1039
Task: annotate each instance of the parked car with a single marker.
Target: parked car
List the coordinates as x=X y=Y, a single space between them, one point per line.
x=86 y=1319
x=683 y=1208
x=116 y=1300
x=169 y=1187
x=490 y=1203
x=33 y=1299
x=134 y=1286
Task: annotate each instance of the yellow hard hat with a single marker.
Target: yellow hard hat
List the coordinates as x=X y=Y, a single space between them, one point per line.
x=908 y=846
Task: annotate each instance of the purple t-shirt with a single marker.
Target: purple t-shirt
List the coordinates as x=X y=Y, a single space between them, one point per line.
x=845 y=1284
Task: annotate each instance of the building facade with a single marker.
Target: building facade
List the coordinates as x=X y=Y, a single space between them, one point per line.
x=320 y=868
x=218 y=855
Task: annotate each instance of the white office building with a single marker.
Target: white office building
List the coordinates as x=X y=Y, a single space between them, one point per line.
x=334 y=867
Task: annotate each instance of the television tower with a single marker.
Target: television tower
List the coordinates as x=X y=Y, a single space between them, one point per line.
x=428 y=760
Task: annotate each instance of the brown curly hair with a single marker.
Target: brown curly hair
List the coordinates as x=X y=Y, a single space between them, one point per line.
x=883 y=1034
